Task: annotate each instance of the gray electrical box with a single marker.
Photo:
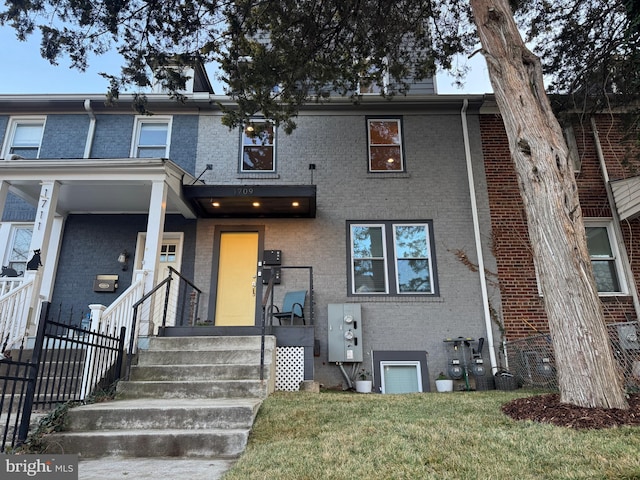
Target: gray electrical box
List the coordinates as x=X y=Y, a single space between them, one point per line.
x=345 y=332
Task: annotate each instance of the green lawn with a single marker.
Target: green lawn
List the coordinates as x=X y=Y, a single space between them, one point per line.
x=461 y=435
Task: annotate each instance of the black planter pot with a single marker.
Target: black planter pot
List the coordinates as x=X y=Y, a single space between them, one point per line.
x=505 y=381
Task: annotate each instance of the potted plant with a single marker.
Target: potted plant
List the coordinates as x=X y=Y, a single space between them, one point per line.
x=443 y=383
x=363 y=384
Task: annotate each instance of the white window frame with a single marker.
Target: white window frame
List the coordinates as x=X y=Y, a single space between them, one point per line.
x=396 y=120
x=12 y=127
x=400 y=363
x=397 y=259
x=258 y=121
x=374 y=88
x=353 y=258
x=390 y=251
x=8 y=234
x=137 y=129
x=615 y=251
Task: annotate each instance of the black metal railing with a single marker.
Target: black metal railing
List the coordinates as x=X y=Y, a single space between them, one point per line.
x=268 y=308
x=266 y=299
x=158 y=304
x=67 y=363
x=188 y=301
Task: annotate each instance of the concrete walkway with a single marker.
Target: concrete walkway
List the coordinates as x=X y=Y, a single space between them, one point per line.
x=113 y=468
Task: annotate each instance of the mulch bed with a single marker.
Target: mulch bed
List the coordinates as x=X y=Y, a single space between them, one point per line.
x=548 y=409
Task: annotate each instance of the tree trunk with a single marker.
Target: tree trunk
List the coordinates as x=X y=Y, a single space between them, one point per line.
x=588 y=375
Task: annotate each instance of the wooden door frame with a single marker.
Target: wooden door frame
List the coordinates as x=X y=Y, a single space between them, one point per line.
x=215 y=264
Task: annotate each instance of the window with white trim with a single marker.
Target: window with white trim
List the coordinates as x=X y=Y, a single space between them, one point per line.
x=151 y=137
x=384 y=136
x=391 y=258
x=18 y=253
x=258 y=147
x=605 y=258
x=24 y=138
x=370 y=83
x=400 y=376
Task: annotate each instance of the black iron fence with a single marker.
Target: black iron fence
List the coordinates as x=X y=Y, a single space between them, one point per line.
x=67 y=363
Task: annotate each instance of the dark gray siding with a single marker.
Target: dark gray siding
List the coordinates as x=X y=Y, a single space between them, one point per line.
x=64 y=136
x=17 y=210
x=4 y=121
x=423 y=87
x=113 y=136
x=91 y=247
x=184 y=141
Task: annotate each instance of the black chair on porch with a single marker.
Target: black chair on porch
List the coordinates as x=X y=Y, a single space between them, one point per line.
x=292 y=307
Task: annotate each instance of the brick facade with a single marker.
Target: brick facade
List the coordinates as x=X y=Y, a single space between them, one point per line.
x=522 y=307
x=434 y=187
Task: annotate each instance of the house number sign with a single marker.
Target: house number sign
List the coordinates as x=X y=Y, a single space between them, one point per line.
x=44 y=199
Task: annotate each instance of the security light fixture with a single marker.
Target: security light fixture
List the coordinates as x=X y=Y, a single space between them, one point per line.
x=123 y=260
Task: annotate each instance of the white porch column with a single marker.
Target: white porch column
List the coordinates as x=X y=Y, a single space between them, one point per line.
x=42 y=225
x=153 y=241
x=42 y=229
x=53 y=253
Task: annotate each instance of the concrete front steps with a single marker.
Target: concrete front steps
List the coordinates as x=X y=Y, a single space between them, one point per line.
x=186 y=397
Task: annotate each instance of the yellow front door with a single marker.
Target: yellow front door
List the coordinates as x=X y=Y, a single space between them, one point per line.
x=237 y=270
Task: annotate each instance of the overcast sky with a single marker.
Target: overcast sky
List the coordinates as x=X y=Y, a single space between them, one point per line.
x=26 y=72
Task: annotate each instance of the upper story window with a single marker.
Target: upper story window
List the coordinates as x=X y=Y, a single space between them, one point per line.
x=369 y=84
x=24 y=137
x=151 y=137
x=605 y=259
x=258 y=148
x=391 y=258
x=385 y=145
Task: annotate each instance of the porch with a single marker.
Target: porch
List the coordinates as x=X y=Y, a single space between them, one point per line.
x=169 y=309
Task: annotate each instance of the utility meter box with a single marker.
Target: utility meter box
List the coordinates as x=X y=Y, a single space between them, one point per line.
x=345 y=332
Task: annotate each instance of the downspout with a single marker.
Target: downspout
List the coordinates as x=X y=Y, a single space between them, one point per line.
x=476 y=232
x=92 y=128
x=616 y=218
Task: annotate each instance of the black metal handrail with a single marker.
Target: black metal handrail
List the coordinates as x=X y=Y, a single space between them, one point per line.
x=194 y=315
x=134 y=322
x=265 y=298
x=167 y=281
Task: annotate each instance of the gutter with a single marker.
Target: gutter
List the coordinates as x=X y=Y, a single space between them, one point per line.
x=478 y=242
x=616 y=218
x=92 y=129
